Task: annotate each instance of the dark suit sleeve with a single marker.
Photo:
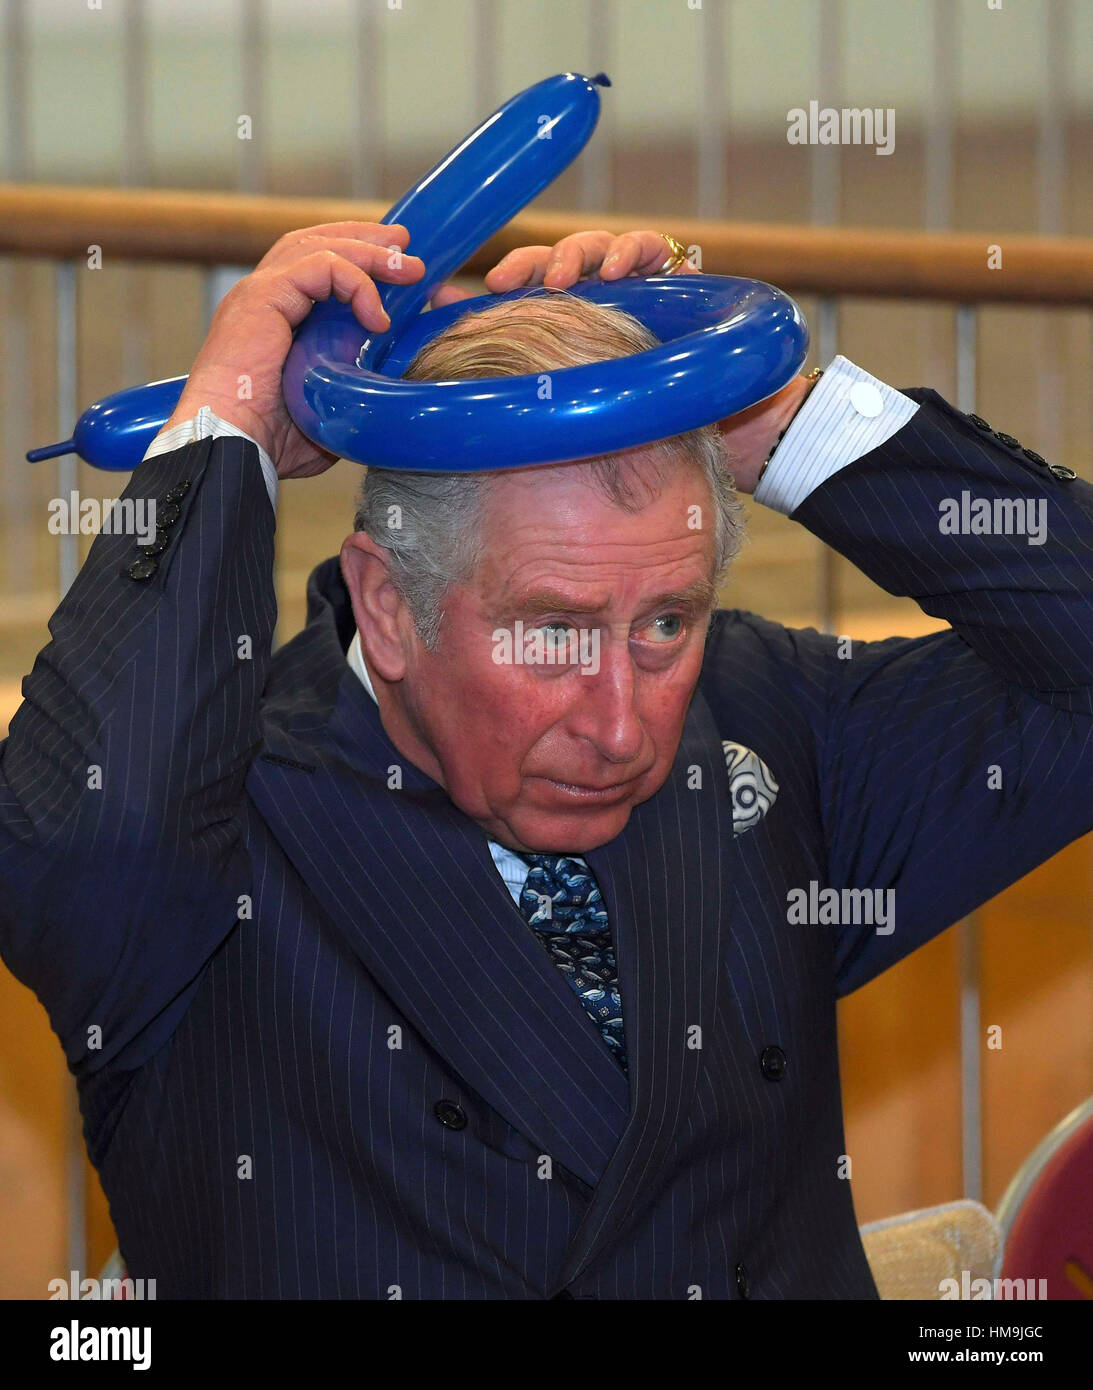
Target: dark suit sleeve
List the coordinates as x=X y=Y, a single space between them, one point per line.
x=952 y=764
x=121 y=780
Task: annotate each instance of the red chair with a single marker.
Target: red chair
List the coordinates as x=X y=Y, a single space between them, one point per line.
x=1046 y=1214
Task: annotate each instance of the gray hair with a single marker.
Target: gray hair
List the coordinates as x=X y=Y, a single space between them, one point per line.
x=430 y=523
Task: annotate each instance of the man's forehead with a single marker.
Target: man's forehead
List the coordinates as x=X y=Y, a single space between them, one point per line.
x=645 y=468
x=563 y=542
x=575 y=502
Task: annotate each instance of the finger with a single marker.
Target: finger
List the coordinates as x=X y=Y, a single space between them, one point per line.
x=318 y=276
x=524 y=266
x=623 y=256
x=448 y=294
x=579 y=254
x=389 y=263
x=635 y=253
x=378 y=233
x=557 y=266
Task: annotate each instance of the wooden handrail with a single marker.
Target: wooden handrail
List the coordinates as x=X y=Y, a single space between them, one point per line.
x=237 y=228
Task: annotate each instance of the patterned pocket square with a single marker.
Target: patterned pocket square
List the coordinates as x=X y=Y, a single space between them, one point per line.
x=751 y=786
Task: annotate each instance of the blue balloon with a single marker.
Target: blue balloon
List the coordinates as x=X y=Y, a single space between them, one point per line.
x=476 y=189
x=115 y=432
x=726 y=343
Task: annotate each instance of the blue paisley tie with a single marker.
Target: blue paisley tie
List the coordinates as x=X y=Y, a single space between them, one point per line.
x=562 y=904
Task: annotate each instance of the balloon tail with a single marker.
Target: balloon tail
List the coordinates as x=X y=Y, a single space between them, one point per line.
x=51 y=451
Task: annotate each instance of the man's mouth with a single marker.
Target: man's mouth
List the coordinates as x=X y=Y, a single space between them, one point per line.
x=615 y=791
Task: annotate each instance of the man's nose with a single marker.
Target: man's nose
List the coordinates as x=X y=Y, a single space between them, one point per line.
x=605 y=709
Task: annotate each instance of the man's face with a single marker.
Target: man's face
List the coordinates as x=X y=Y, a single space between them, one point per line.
x=554 y=755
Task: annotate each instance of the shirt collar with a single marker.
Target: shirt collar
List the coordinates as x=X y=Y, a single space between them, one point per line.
x=355 y=657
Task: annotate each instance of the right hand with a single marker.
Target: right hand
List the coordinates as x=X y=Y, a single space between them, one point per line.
x=251 y=332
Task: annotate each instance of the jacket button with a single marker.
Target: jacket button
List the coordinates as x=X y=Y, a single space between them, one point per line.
x=1033 y=456
x=743 y=1286
x=979 y=422
x=1060 y=470
x=158 y=546
x=141 y=569
x=1007 y=439
x=449 y=1114
x=772 y=1063
x=168 y=514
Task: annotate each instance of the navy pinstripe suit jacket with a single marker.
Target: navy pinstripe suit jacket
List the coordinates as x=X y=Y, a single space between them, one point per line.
x=251 y=950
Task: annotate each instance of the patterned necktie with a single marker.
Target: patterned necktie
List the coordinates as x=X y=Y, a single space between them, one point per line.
x=561 y=901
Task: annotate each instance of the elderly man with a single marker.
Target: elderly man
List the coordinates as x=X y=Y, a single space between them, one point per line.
x=421 y=961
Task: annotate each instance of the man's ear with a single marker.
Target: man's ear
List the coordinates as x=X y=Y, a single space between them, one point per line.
x=383 y=621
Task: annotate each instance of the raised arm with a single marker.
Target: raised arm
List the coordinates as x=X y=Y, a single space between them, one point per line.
x=121 y=782
x=949 y=765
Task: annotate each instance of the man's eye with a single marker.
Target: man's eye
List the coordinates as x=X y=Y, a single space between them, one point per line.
x=555 y=634
x=666 y=628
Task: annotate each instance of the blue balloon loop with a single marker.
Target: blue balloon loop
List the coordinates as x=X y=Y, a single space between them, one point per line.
x=725 y=343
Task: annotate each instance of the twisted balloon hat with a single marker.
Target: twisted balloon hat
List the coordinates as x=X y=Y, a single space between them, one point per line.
x=726 y=343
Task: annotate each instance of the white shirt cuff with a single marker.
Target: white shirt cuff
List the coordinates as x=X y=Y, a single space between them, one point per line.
x=845 y=415
x=206 y=425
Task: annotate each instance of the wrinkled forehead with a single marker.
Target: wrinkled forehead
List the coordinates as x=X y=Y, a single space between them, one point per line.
x=631 y=480
x=620 y=525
